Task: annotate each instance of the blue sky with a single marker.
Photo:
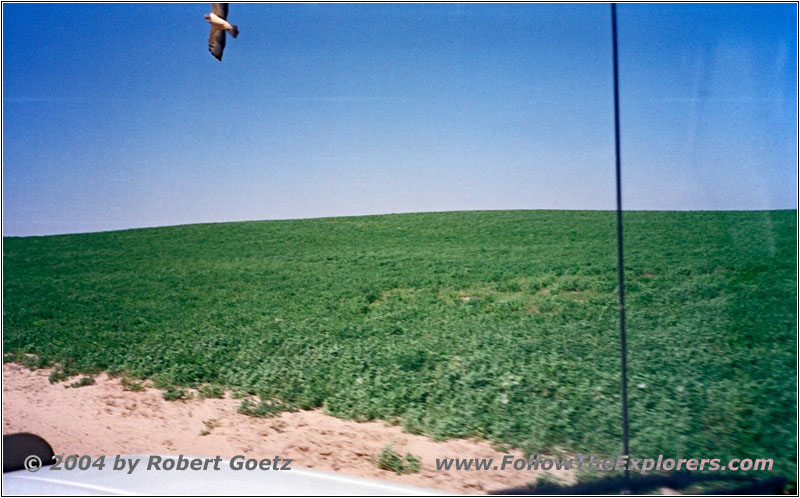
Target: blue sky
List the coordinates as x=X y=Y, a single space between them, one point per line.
x=116 y=116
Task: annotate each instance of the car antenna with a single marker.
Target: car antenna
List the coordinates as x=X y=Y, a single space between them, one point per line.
x=620 y=267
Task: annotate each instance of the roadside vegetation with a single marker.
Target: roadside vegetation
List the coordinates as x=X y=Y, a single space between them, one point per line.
x=499 y=325
x=397 y=463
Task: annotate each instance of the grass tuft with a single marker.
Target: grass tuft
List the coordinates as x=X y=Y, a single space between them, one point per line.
x=176 y=393
x=132 y=385
x=262 y=409
x=84 y=381
x=211 y=391
x=393 y=461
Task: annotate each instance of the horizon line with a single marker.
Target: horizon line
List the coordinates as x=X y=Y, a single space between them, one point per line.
x=262 y=220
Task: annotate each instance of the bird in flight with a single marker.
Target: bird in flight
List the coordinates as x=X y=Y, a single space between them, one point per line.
x=219 y=25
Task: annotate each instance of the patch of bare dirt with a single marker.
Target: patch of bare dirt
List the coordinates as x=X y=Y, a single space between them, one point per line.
x=105 y=419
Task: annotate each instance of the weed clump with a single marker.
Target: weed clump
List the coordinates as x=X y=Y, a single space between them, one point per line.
x=210 y=425
x=131 y=385
x=391 y=460
x=262 y=409
x=58 y=375
x=176 y=393
x=211 y=391
x=27 y=360
x=84 y=381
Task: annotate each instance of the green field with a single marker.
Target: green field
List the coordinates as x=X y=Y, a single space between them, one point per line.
x=501 y=325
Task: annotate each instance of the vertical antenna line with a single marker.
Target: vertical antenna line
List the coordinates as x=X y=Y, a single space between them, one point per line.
x=620 y=266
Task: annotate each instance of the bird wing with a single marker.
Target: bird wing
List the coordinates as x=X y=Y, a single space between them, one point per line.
x=216 y=42
x=220 y=9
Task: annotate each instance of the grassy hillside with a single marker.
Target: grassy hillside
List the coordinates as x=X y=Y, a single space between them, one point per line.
x=502 y=325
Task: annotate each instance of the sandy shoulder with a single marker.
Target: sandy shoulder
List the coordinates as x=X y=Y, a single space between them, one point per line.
x=105 y=419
